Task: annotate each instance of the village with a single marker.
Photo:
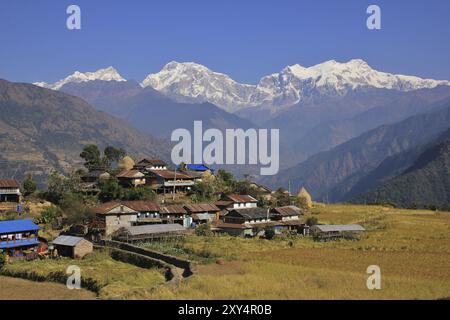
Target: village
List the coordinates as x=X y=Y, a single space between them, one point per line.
x=148 y=201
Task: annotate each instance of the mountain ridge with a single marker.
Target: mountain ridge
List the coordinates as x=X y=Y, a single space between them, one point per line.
x=42 y=130
x=192 y=82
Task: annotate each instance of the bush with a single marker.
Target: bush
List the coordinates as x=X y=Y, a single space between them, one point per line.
x=203 y=230
x=269 y=233
x=2 y=259
x=49 y=215
x=139 y=193
x=312 y=221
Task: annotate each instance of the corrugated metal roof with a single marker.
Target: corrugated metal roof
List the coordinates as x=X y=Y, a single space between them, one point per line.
x=250 y=213
x=239 y=198
x=339 y=227
x=105 y=207
x=223 y=203
x=12 y=226
x=130 y=174
x=142 y=206
x=287 y=211
x=154 y=229
x=9 y=183
x=170 y=175
x=173 y=210
x=154 y=162
x=69 y=241
x=201 y=207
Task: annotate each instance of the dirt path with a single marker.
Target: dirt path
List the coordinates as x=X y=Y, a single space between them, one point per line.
x=20 y=289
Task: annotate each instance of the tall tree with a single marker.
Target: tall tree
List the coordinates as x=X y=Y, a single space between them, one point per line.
x=29 y=185
x=112 y=154
x=91 y=156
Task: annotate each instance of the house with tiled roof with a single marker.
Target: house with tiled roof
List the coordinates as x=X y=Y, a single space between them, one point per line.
x=151 y=164
x=10 y=190
x=203 y=212
x=166 y=181
x=111 y=216
x=131 y=178
x=239 y=201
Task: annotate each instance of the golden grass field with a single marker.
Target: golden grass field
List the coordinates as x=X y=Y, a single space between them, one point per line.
x=412 y=248
x=110 y=278
x=15 y=289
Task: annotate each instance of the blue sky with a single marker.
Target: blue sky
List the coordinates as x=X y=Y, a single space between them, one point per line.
x=245 y=39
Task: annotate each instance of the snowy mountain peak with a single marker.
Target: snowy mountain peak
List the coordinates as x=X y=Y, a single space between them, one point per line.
x=192 y=82
x=106 y=74
x=330 y=78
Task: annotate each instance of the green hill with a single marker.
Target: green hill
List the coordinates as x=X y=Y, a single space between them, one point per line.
x=426 y=184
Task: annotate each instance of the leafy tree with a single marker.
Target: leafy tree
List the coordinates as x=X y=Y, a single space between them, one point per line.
x=112 y=155
x=224 y=182
x=244 y=187
x=312 y=221
x=74 y=208
x=264 y=203
x=140 y=193
x=202 y=191
x=91 y=156
x=109 y=189
x=29 y=185
x=56 y=187
x=282 y=198
x=49 y=215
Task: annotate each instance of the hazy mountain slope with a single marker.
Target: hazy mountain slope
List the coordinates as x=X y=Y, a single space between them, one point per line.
x=42 y=129
x=425 y=184
x=389 y=107
x=330 y=175
x=149 y=110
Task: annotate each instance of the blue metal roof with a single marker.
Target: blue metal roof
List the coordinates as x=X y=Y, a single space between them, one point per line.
x=11 y=226
x=18 y=243
x=196 y=167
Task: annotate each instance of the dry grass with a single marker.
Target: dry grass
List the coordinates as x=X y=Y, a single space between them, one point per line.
x=99 y=272
x=412 y=249
x=19 y=289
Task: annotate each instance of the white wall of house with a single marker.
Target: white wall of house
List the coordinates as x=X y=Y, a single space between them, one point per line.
x=242 y=205
x=288 y=218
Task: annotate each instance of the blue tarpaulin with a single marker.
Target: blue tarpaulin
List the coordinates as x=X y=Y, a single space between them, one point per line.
x=197 y=167
x=12 y=226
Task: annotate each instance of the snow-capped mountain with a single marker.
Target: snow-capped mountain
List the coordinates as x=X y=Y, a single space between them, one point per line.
x=107 y=74
x=332 y=78
x=191 y=82
x=194 y=82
